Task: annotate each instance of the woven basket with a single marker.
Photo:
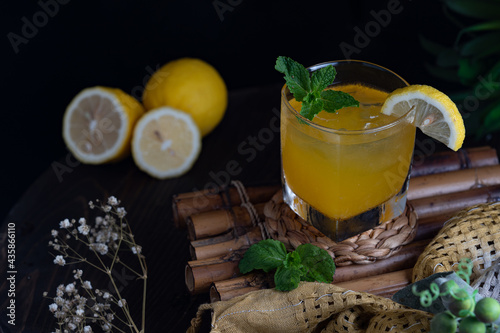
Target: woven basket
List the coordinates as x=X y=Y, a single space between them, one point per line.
x=473 y=233
x=378 y=243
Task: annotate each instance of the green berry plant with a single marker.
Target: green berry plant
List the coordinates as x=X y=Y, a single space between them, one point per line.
x=462 y=309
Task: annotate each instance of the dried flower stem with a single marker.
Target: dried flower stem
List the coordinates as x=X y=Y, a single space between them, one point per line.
x=109 y=236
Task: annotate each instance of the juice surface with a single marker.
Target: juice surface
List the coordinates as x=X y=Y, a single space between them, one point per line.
x=345 y=175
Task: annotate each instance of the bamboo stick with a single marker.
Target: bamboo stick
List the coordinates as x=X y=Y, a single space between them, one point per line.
x=213 y=240
x=186 y=204
x=227 y=289
x=404 y=258
x=253 y=236
x=383 y=285
x=207 y=224
x=453 y=202
x=447 y=161
x=455 y=181
x=200 y=274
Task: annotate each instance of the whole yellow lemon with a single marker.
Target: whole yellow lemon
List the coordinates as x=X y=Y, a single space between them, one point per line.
x=190 y=85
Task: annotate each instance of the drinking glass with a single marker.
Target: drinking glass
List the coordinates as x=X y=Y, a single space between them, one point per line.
x=345 y=181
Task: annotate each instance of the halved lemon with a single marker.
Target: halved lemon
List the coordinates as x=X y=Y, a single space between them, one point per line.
x=98 y=124
x=166 y=142
x=436 y=114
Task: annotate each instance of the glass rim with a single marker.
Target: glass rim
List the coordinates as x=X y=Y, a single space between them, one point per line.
x=338 y=131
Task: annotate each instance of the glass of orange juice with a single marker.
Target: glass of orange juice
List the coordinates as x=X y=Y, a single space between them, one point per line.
x=348 y=171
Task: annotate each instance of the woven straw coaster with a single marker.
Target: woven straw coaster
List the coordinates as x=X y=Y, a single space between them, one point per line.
x=378 y=243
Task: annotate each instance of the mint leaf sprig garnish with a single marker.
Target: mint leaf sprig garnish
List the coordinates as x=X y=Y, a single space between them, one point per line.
x=310 y=88
x=306 y=263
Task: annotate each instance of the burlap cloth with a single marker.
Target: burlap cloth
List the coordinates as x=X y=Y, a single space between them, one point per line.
x=318 y=307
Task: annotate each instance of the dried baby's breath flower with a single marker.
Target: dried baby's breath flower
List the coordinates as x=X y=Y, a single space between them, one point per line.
x=84 y=229
x=122 y=302
x=113 y=201
x=78 y=274
x=77 y=305
x=64 y=224
x=59 y=260
x=121 y=212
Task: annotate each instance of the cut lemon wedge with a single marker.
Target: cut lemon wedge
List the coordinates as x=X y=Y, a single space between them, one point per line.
x=436 y=114
x=98 y=124
x=166 y=142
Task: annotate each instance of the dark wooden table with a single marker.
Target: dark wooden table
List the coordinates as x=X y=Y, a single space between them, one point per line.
x=246 y=145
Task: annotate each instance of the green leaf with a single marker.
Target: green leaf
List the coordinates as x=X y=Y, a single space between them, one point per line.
x=491 y=122
x=310 y=89
x=481 y=9
x=296 y=76
x=317 y=262
x=334 y=100
x=323 y=77
x=485 y=26
x=482 y=46
x=267 y=255
x=288 y=276
x=311 y=108
x=469 y=70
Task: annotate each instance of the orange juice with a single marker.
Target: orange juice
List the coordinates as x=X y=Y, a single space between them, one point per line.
x=346 y=163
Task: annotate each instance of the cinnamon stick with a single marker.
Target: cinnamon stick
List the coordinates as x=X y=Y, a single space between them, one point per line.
x=253 y=236
x=186 y=204
x=454 y=181
x=207 y=224
x=200 y=274
x=451 y=161
x=453 y=202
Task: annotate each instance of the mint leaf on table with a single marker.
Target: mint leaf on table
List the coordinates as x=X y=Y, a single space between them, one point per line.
x=267 y=255
x=317 y=263
x=306 y=263
x=288 y=276
x=310 y=88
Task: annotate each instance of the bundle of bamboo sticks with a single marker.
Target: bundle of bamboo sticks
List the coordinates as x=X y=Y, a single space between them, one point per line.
x=220 y=228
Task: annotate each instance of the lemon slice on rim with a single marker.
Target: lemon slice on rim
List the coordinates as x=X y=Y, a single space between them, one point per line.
x=436 y=114
x=166 y=142
x=98 y=124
